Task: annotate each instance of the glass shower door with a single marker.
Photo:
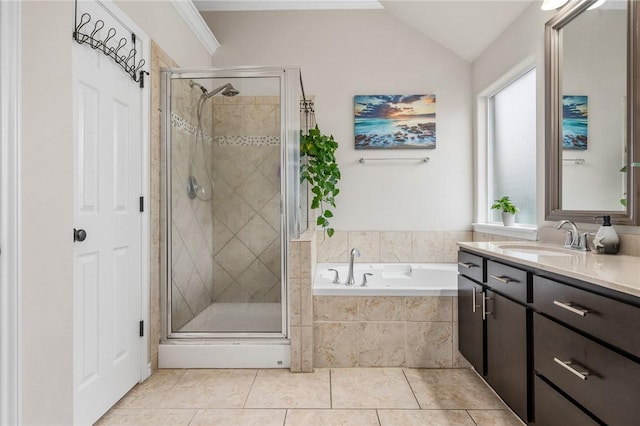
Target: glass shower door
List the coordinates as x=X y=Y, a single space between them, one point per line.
x=225 y=150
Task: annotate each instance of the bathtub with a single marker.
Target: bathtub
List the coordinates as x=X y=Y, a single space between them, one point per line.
x=388 y=279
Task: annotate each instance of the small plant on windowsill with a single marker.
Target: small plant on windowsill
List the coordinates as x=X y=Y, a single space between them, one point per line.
x=322 y=173
x=507 y=208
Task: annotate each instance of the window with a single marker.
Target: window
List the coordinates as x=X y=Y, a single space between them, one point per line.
x=511 y=152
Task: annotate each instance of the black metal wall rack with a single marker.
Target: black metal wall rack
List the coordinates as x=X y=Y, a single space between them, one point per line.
x=83 y=33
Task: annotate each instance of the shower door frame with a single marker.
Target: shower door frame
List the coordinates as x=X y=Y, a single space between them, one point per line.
x=289 y=195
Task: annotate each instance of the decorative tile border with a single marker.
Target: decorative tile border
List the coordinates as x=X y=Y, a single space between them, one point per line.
x=246 y=140
x=183 y=125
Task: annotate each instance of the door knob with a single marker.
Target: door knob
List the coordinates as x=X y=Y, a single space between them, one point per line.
x=79 y=235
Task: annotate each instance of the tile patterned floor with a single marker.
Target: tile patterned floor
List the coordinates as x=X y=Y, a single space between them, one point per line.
x=338 y=396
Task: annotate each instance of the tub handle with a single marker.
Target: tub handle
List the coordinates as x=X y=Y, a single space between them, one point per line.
x=364 y=279
x=336 y=277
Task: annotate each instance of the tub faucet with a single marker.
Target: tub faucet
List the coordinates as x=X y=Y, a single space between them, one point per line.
x=573 y=237
x=354 y=253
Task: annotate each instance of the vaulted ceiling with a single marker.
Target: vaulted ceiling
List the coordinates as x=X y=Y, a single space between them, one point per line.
x=466 y=27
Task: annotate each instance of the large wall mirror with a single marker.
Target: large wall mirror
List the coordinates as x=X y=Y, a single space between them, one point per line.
x=592 y=105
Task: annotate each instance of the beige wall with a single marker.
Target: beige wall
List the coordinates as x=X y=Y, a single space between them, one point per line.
x=160 y=20
x=46 y=222
x=345 y=53
x=46 y=286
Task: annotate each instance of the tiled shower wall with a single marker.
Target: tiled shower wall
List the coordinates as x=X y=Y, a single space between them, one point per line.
x=246 y=214
x=191 y=220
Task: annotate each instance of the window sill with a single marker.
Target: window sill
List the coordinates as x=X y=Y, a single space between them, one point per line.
x=525 y=232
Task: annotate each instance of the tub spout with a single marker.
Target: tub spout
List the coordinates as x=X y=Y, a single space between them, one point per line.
x=354 y=253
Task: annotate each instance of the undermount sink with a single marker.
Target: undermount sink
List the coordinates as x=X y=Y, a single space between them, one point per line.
x=538 y=250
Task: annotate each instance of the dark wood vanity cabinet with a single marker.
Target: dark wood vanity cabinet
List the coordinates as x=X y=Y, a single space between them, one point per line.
x=471 y=331
x=507 y=347
x=492 y=330
x=604 y=382
x=471 y=324
x=587 y=349
x=558 y=351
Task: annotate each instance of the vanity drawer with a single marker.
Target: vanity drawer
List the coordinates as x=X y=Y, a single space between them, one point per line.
x=612 y=321
x=604 y=382
x=553 y=409
x=507 y=280
x=471 y=266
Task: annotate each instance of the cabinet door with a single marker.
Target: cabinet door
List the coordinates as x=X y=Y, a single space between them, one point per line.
x=470 y=323
x=507 y=346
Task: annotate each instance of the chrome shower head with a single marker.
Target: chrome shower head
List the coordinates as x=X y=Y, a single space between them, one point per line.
x=226 y=89
x=230 y=91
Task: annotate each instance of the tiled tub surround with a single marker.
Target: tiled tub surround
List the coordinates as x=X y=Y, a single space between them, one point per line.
x=379 y=331
x=386 y=331
x=301 y=262
x=392 y=246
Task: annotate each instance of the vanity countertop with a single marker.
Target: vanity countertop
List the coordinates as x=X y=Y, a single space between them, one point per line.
x=616 y=272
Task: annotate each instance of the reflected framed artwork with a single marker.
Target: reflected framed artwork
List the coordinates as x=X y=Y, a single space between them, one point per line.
x=395 y=121
x=575 y=120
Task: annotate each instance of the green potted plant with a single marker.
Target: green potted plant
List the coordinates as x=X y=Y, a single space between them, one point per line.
x=508 y=209
x=322 y=173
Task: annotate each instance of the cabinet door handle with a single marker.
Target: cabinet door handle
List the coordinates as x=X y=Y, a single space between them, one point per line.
x=467 y=265
x=580 y=372
x=569 y=307
x=484 y=307
x=502 y=279
x=473 y=300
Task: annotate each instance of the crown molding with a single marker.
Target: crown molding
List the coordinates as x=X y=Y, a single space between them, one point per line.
x=196 y=23
x=253 y=5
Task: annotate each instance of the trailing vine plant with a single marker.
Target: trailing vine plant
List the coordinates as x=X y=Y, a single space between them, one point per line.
x=322 y=173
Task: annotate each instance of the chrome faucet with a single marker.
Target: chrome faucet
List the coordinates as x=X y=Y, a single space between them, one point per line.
x=354 y=253
x=573 y=237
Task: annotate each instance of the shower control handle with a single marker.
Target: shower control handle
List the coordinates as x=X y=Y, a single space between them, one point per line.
x=79 y=235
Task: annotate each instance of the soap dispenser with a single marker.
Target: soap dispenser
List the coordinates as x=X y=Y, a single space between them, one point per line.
x=606 y=240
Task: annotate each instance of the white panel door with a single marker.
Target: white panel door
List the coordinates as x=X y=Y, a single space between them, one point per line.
x=107 y=263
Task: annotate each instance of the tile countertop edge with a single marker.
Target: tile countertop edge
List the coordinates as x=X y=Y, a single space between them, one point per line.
x=616 y=272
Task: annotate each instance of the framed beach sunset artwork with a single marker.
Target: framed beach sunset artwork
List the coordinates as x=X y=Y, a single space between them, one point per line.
x=395 y=121
x=575 y=118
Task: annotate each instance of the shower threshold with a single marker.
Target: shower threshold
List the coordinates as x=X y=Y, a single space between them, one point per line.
x=229 y=335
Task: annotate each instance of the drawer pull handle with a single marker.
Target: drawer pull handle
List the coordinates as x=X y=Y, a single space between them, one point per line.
x=582 y=374
x=502 y=279
x=569 y=307
x=467 y=265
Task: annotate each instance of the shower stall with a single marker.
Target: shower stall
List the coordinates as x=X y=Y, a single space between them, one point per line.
x=230 y=204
